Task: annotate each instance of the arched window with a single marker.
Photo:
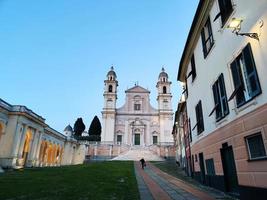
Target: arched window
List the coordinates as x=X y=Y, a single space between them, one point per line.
x=110 y=88
x=164 y=90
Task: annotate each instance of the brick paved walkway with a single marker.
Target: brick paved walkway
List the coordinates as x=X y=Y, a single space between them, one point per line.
x=155 y=184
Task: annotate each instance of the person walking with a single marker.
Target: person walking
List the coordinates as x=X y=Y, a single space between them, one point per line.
x=143 y=163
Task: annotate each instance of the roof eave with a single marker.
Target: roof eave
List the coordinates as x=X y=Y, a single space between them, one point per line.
x=193 y=36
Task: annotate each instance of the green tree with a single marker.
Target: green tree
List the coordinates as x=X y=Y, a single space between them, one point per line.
x=95 y=127
x=79 y=127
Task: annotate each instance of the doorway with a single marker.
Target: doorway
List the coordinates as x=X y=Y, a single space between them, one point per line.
x=229 y=168
x=202 y=168
x=136 y=139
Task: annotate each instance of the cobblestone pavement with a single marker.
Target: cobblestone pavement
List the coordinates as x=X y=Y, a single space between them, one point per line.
x=155 y=184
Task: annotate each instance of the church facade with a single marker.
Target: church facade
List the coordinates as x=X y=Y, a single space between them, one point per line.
x=137 y=123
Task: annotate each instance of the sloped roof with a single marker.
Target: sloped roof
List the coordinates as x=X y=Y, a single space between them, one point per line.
x=68 y=128
x=137 y=89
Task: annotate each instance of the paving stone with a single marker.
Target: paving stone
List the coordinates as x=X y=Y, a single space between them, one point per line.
x=143 y=189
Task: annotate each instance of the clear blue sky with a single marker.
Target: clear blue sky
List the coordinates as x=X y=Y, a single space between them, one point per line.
x=54 y=55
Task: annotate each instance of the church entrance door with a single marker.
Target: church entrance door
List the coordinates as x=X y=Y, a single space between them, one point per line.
x=136 y=139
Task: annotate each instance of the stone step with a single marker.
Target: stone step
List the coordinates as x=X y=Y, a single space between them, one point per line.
x=137 y=154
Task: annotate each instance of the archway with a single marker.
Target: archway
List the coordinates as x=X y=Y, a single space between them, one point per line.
x=61 y=154
x=57 y=154
x=53 y=154
x=49 y=154
x=164 y=90
x=41 y=152
x=26 y=147
x=110 y=88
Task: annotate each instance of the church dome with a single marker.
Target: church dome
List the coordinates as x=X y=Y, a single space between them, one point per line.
x=68 y=128
x=112 y=73
x=163 y=74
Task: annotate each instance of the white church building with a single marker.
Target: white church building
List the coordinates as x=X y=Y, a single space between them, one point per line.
x=137 y=123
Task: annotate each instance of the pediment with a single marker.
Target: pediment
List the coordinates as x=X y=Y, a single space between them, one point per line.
x=137 y=89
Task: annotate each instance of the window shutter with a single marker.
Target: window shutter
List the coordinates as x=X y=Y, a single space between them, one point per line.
x=203 y=39
x=225 y=9
x=222 y=9
x=238 y=83
x=216 y=98
x=252 y=77
x=189 y=130
x=210 y=31
x=197 y=118
x=193 y=67
x=201 y=117
x=223 y=95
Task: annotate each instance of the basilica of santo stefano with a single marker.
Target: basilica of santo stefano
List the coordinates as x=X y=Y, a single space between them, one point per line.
x=27 y=141
x=137 y=123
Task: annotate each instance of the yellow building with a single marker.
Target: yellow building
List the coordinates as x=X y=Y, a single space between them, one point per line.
x=27 y=141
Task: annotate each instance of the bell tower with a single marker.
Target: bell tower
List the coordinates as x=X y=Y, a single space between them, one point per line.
x=165 y=107
x=109 y=110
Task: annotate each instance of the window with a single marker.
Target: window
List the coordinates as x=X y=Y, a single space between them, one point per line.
x=220 y=99
x=226 y=9
x=210 y=166
x=185 y=89
x=199 y=118
x=189 y=131
x=137 y=106
x=245 y=77
x=119 y=138
x=193 y=68
x=110 y=88
x=255 y=146
x=164 y=90
x=207 y=38
x=155 y=139
x=195 y=157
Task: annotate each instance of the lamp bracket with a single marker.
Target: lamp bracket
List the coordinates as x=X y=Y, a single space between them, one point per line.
x=251 y=35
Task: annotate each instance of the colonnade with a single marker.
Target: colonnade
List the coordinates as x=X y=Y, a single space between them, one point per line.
x=42 y=151
x=50 y=154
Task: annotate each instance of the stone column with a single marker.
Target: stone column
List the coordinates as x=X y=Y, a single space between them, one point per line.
x=16 y=140
x=126 y=133
x=55 y=155
x=144 y=135
x=133 y=141
x=22 y=141
x=130 y=135
x=148 y=134
x=37 y=159
x=35 y=141
x=110 y=150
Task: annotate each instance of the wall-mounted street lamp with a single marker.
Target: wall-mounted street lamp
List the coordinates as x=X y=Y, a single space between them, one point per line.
x=235 y=25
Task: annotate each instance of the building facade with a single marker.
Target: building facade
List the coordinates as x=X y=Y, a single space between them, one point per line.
x=182 y=137
x=137 y=123
x=27 y=141
x=223 y=68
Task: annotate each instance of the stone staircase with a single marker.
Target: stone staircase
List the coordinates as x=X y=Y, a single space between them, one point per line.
x=136 y=153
